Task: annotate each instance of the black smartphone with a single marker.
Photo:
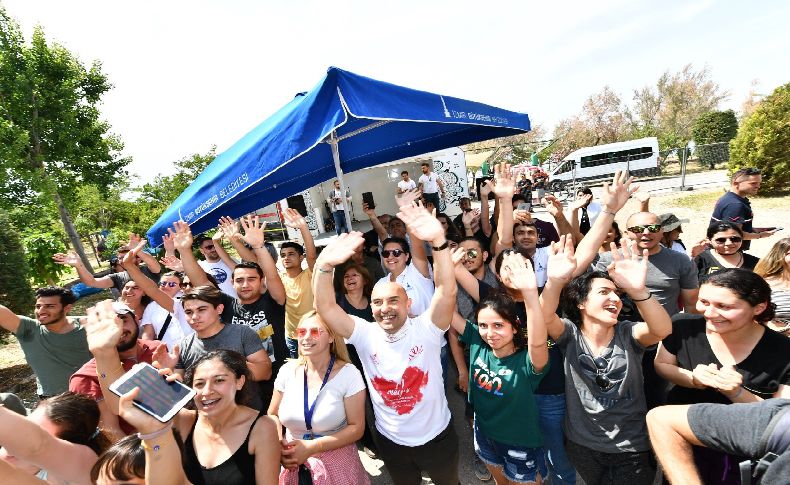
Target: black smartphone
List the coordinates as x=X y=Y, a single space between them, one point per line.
x=367 y=198
x=158 y=397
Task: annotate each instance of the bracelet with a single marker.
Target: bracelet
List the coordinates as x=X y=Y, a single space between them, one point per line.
x=258 y=247
x=103 y=375
x=443 y=246
x=609 y=212
x=325 y=271
x=740 y=391
x=155 y=434
x=649 y=296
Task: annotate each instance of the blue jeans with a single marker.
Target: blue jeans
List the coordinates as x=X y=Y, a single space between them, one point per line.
x=293 y=347
x=551 y=408
x=340 y=222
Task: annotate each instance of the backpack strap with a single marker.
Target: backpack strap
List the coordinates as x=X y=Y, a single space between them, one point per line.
x=164 y=327
x=774 y=441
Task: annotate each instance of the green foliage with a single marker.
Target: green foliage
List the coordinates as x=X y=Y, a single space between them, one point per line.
x=15 y=291
x=710 y=128
x=763 y=141
x=40 y=248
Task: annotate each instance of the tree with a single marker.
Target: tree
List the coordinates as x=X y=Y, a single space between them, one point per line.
x=763 y=140
x=54 y=138
x=670 y=108
x=15 y=291
x=714 y=127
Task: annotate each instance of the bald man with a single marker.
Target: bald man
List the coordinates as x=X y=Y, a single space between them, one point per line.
x=401 y=357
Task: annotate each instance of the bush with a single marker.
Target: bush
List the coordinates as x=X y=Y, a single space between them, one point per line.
x=709 y=130
x=15 y=290
x=763 y=141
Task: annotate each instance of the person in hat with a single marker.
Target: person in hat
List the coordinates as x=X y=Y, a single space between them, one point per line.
x=672 y=229
x=124 y=345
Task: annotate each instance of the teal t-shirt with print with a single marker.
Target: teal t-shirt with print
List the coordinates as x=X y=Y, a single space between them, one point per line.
x=502 y=392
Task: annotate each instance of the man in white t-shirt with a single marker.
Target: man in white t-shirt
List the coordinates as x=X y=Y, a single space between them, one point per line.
x=405 y=183
x=431 y=185
x=338 y=206
x=401 y=357
x=217 y=263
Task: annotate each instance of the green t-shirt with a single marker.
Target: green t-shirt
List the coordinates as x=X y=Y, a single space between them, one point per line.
x=501 y=392
x=54 y=357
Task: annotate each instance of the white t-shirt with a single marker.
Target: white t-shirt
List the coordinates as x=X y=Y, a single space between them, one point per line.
x=178 y=328
x=418 y=288
x=404 y=373
x=593 y=211
x=430 y=184
x=338 y=194
x=407 y=185
x=222 y=273
x=540 y=262
x=329 y=415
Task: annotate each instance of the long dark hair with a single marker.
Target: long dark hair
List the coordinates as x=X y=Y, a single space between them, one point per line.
x=235 y=362
x=507 y=308
x=77 y=418
x=747 y=286
x=125 y=460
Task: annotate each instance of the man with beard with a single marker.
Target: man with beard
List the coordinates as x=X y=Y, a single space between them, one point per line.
x=54 y=346
x=130 y=350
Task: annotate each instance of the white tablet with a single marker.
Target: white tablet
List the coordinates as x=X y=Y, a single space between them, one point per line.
x=158 y=397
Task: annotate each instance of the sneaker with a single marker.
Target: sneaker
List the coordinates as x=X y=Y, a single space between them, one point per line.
x=481 y=471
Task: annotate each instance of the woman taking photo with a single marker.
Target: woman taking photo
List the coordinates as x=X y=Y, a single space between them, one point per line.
x=725 y=239
x=605 y=421
x=508 y=357
x=319 y=398
x=775 y=268
x=726 y=355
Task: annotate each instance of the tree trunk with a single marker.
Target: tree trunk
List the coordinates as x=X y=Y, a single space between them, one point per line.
x=68 y=225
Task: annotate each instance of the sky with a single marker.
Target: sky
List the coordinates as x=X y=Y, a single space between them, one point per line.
x=191 y=74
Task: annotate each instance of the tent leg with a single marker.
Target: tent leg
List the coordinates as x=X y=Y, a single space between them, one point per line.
x=333 y=141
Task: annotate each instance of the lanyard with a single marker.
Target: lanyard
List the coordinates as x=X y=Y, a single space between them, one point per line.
x=308 y=411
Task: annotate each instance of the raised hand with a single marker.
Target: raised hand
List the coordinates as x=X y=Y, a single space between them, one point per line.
x=294 y=219
x=103 y=327
x=422 y=223
x=562 y=260
x=553 y=206
x=172 y=263
x=615 y=196
x=162 y=359
x=253 y=231
x=458 y=255
x=580 y=202
x=68 y=259
x=471 y=217
x=340 y=249
x=167 y=241
x=134 y=239
x=486 y=188
x=407 y=197
x=371 y=213
x=504 y=185
x=217 y=237
x=519 y=270
x=181 y=235
x=627 y=271
x=130 y=258
x=521 y=215
x=229 y=227
x=699 y=247
x=642 y=197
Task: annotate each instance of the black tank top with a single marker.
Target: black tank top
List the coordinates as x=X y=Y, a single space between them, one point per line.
x=239 y=469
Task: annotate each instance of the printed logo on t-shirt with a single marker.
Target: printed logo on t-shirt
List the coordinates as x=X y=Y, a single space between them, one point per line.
x=487 y=380
x=219 y=274
x=402 y=396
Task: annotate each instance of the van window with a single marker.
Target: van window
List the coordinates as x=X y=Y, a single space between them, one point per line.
x=616 y=157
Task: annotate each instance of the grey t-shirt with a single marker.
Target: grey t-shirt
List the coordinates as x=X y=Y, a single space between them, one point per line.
x=120 y=279
x=466 y=305
x=239 y=338
x=612 y=420
x=668 y=272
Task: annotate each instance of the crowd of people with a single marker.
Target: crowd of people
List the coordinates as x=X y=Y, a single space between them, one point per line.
x=584 y=348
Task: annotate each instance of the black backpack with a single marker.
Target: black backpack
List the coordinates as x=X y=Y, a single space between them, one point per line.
x=774 y=442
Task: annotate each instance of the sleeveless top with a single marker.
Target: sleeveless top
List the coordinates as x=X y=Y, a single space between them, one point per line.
x=239 y=469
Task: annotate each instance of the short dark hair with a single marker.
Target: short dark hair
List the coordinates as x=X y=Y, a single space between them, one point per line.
x=234 y=361
x=518 y=197
x=472 y=238
x=294 y=245
x=585 y=191
x=397 y=240
x=747 y=286
x=209 y=294
x=201 y=239
x=426 y=164
x=576 y=293
x=722 y=226
x=746 y=171
x=67 y=296
x=247 y=265
x=405 y=171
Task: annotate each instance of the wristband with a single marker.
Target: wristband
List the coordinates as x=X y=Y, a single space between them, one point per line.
x=649 y=296
x=325 y=271
x=443 y=246
x=155 y=434
x=609 y=212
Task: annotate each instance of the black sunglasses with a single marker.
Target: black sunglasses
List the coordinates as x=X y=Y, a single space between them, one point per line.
x=599 y=365
x=650 y=228
x=732 y=239
x=169 y=284
x=395 y=252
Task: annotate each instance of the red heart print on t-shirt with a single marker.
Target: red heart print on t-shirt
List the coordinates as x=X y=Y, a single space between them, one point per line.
x=404 y=395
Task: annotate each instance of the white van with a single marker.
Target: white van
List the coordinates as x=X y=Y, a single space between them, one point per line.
x=590 y=164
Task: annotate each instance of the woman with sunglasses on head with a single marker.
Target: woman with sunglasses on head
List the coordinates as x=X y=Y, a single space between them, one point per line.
x=725 y=240
x=726 y=355
x=775 y=268
x=605 y=426
x=319 y=398
x=508 y=357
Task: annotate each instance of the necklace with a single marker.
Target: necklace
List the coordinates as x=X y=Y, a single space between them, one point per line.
x=394 y=337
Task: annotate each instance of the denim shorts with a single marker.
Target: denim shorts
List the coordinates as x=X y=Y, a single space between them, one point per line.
x=519 y=463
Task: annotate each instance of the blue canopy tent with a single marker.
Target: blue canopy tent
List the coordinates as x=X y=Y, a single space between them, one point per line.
x=346 y=123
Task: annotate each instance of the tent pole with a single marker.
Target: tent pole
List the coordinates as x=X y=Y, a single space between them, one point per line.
x=333 y=141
